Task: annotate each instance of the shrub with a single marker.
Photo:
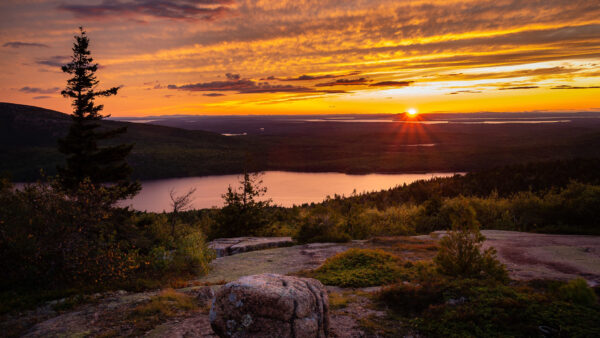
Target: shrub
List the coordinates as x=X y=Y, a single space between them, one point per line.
x=360 y=268
x=321 y=225
x=411 y=298
x=578 y=292
x=243 y=214
x=460 y=253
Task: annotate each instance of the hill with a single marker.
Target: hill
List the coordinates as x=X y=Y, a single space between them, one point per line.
x=28 y=143
x=180 y=146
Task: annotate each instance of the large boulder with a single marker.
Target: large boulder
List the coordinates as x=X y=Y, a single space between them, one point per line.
x=271 y=305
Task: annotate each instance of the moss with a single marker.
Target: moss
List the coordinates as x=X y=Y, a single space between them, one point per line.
x=168 y=303
x=360 y=268
x=339 y=300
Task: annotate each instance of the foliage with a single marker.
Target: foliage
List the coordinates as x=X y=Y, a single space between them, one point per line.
x=485 y=308
x=321 y=225
x=577 y=291
x=244 y=214
x=85 y=158
x=55 y=241
x=460 y=253
x=359 y=268
x=167 y=304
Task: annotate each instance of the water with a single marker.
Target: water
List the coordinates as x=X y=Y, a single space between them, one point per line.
x=285 y=188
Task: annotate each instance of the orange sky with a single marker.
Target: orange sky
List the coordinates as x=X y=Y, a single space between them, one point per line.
x=304 y=56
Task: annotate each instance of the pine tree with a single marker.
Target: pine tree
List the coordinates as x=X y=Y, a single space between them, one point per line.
x=86 y=159
x=244 y=212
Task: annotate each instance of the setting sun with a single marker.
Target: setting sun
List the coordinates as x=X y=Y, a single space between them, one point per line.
x=412 y=112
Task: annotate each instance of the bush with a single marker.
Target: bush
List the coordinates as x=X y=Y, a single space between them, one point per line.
x=360 y=268
x=460 y=253
x=53 y=240
x=578 y=292
x=321 y=225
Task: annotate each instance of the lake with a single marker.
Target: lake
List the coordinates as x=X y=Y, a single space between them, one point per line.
x=285 y=188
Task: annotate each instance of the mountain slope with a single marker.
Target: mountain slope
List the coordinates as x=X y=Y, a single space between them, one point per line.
x=28 y=143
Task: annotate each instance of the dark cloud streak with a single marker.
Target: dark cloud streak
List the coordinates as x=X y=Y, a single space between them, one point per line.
x=35 y=90
x=169 y=9
x=20 y=44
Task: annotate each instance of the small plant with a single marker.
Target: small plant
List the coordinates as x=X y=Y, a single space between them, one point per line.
x=460 y=253
x=338 y=300
x=166 y=304
x=360 y=268
x=320 y=226
x=578 y=292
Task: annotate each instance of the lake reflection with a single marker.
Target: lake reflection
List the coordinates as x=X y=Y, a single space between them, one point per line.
x=285 y=188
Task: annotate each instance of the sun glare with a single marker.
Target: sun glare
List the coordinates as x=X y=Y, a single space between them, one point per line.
x=412 y=112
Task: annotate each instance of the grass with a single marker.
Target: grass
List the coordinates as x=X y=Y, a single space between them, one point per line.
x=339 y=300
x=167 y=304
x=408 y=247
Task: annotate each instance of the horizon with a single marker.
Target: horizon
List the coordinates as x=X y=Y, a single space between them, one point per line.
x=239 y=57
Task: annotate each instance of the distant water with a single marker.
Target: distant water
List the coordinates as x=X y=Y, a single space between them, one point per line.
x=454 y=121
x=285 y=188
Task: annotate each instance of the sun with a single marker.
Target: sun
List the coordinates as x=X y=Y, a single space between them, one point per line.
x=412 y=111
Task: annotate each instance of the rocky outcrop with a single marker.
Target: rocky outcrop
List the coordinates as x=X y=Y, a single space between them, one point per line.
x=236 y=245
x=271 y=305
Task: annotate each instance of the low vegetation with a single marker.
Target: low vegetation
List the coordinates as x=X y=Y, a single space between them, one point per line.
x=359 y=268
x=55 y=244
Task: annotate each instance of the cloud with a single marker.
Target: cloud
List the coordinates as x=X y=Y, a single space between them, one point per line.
x=242 y=86
x=538 y=72
x=345 y=82
x=465 y=92
x=518 y=87
x=54 y=61
x=310 y=77
x=213 y=94
x=35 y=90
x=170 y=9
x=42 y=97
x=19 y=44
x=574 y=87
x=392 y=84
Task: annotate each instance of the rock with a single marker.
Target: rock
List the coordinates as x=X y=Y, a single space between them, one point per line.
x=205 y=295
x=271 y=305
x=232 y=246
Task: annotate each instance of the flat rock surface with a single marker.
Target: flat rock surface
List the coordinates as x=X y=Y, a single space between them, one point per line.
x=532 y=256
x=279 y=260
x=236 y=245
x=541 y=256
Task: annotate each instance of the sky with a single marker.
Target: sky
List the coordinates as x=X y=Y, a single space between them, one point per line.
x=309 y=57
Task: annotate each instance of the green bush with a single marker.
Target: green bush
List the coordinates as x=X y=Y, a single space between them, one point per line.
x=360 y=268
x=446 y=307
x=460 y=253
x=578 y=292
x=54 y=241
x=321 y=225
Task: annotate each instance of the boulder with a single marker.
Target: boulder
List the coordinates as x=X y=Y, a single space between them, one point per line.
x=271 y=305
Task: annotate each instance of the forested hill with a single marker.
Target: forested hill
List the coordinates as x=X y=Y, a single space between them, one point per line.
x=28 y=143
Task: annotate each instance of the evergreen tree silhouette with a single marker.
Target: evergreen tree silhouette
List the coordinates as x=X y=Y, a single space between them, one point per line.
x=86 y=159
